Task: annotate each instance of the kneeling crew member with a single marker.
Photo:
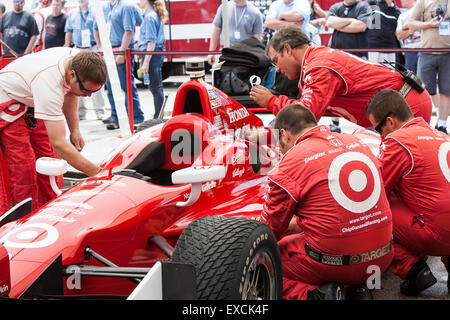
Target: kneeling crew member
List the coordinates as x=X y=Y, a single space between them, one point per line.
x=331 y=185
x=415 y=162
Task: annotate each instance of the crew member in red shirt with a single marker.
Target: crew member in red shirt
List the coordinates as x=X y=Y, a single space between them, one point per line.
x=327 y=186
x=333 y=80
x=415 y=161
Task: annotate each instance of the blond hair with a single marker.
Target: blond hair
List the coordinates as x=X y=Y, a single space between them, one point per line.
x=160 y=7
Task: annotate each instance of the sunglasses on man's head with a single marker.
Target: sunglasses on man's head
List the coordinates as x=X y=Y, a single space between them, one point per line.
x=82 y=88
x=18 y=1
x=382 y=123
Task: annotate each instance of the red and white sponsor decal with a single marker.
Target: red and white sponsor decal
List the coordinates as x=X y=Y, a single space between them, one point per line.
x=354 y=182
x=35 y=235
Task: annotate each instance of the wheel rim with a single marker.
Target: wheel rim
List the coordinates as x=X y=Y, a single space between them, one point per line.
x=259 y=283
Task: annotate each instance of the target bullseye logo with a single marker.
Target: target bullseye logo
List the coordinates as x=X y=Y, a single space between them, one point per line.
x=35 y=235
x=354 y=182
x=444 y=159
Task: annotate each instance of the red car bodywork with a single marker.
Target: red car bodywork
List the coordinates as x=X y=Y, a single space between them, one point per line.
x=115 y=215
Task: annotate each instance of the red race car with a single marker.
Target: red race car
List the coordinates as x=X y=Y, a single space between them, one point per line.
x=170 y=216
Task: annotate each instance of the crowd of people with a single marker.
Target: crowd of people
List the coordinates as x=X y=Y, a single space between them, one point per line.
x=52 y=26
x=323 y=250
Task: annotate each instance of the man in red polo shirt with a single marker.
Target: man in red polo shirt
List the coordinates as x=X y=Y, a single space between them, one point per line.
x=333 y=80
x=331 y=185
x=415 y=160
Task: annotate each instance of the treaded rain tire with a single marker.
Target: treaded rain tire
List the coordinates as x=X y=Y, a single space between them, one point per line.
x=229 y=254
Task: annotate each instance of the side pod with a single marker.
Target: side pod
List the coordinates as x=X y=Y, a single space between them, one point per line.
x=49 y=282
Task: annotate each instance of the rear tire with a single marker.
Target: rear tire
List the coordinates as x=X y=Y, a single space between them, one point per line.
x=234 y=258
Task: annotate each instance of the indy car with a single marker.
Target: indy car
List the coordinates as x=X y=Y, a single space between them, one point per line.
x=171 y=215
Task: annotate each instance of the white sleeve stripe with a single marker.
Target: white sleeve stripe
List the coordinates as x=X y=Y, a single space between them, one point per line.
x=284 y=190
x=410 y=154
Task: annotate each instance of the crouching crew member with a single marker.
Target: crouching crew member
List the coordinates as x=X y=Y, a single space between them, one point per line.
x=329 y=187
x=334 y=80
x=415 y=162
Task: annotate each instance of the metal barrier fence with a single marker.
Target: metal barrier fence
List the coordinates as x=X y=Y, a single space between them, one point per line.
x=128 y=54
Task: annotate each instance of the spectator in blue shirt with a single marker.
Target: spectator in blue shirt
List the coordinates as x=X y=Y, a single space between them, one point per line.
x=122 y=16
x=287 y=12
x=80 y=33
x=151 y=38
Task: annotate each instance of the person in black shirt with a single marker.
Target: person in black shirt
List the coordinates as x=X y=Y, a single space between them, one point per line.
x=54 y=26
x=349 y=19
x=381 y=31
x=19 y=29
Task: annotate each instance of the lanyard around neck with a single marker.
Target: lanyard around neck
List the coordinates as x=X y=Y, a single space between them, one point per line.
x=236 y=21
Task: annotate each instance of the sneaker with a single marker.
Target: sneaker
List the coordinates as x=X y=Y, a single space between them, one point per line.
x=418 y=279
x=81 y=117
x=112 y=126
x=335 y=128
x=100 y=116
x=328 y=291
x=107 y=120
x=358 y=292
x=443 y=129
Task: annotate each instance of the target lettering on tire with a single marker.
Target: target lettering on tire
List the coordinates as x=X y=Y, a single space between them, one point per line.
x=354 y=182
x=35 y=235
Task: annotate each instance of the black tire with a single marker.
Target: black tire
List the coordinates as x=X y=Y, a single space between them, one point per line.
x=234 y=258
x=149 y=123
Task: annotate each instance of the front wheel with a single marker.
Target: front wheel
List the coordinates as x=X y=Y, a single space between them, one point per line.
x=234 y=258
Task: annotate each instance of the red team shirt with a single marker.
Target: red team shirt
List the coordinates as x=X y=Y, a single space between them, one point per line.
x=415 y=163
x=344 y=84
x=319 y=181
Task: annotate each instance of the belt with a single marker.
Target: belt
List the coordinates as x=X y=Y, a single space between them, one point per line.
x=405 y=89
x=345 y=260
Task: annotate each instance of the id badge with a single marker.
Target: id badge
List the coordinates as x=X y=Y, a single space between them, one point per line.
x=444 y=28
x=237 y=35
x=86 y=38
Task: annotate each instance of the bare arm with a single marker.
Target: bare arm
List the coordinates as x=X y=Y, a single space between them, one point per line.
x=319 y=11
x=126 y=40
x=421 y=25
x=97 y=40
x=145 y=65
x=67 y=39
x=402 y=34
x=291 y=16
x=213 y=43
x=275 y=23
x=56 y=133
x=349 y=25
x=30 y=45
x=70 y=110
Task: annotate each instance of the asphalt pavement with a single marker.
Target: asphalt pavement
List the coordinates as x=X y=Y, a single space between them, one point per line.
x=100 y=142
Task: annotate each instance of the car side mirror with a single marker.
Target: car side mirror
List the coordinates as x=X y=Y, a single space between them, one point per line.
x=52 y=167
x=196 y=176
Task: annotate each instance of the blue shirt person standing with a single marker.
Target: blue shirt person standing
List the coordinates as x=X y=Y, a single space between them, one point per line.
x=80 y=33
x=151 y=38
x=121 y=16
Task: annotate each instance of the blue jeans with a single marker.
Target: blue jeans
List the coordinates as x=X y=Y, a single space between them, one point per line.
x=411 y=61
x=138 y=115
x=156 y=84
